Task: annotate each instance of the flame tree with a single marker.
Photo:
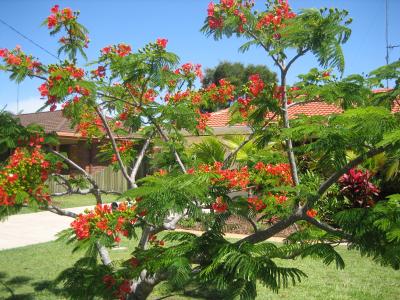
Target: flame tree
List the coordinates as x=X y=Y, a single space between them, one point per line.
x=132 y=101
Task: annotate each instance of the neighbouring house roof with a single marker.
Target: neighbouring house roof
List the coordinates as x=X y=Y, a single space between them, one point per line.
x=221 y=118
x=51 y=121
x=396 y=106
x=56 y=122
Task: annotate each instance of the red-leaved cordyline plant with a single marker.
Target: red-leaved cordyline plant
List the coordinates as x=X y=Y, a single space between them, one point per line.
x=358 y=188
x=140 y=103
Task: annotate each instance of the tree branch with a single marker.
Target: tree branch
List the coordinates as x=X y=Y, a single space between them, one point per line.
x=114 y=144
x=289 y=144
x=300 y=53
x=79 y=192
x=139 y=160
x=166 y=139
x=96 y=190
x=326 y=227
x=104 y=255
x=300 y=212
x=61 y=212
x=262 y=235
x=249 y=138
x=265 y=48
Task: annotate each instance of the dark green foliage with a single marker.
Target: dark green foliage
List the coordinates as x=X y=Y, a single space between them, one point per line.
x=237 y=74
x=13 y=134
x=162 y=195
x=84 y=281
x=356 y=130
x=375 y=231
x=320 y=31
x=230 y=270
x=349 y=92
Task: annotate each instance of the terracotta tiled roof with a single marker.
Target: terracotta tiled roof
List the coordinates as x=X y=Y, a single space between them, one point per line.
x=375 y=91
x=314 y=109
x=396 y=106
x=221 y=118
x=396 y=103
x=55 y=122
x=50 y=121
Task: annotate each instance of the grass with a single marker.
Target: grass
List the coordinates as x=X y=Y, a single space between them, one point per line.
x=24 y=268
x=72 y=201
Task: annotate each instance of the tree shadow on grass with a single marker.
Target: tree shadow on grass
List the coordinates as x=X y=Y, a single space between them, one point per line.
x=8 y=286
x=48 y=286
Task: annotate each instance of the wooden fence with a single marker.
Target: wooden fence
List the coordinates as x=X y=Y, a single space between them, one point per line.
x=107 y=179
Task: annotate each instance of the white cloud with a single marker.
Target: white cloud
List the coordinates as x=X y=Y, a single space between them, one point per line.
x=28 y=105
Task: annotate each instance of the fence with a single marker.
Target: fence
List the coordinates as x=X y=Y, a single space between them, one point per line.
x=107 y=179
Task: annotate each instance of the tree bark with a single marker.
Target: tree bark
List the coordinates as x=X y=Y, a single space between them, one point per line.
x=286 y=124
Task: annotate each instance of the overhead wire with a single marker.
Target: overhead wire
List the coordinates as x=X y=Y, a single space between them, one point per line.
x=28 y=39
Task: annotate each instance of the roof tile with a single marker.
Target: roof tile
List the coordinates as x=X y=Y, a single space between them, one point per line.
x=51 y=121
x=221 y=118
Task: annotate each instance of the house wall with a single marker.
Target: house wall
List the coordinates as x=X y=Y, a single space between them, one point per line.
x=84 y=154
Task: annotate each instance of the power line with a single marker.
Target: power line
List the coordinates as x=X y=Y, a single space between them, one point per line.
x=29 y=39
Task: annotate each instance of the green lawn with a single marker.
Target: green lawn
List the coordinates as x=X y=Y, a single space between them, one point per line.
x=72 y=201
x=24 y=268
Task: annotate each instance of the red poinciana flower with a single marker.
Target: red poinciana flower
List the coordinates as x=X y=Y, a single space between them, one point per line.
x=256 y=203
x=162 y=42
x=311 y=213
x=256 y=84
x=219 y=205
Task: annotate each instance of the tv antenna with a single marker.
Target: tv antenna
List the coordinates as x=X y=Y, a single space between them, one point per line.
x=388 y=46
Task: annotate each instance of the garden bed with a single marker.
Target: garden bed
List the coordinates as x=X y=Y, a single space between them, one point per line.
x=234 y=224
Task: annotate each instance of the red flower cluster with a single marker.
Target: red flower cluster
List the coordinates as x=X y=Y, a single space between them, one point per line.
x=274 y=19
x=120 y=50
x=155 y=242
x=59 y=77
x=121 y=289
x=312 y=213
x=218 y=12
x=99 y=72
x=90 y=124
x=213 y=21
x=326 y=74
x=66 y=72
x=202 y=120
x=221 y=93
x=16 y=58
x=177 y=97
x=162 y=43
x=256 y=203
x=104 y=222
x=161 y=172
x=149 y=96
x=234 y=179
x=59 y=16
x=219 y=205
x=280 y=170
x=188 y=68
x=356 y=186
x=256 y=84
x=123 y=147
x=26 y=171
x=280 y=199
x=244 y=106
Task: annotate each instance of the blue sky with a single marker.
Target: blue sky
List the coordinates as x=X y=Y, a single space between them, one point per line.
x=137 y=22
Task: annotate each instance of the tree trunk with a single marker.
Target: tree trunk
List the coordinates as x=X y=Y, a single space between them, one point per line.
x=288 y=142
